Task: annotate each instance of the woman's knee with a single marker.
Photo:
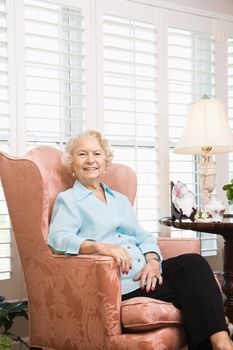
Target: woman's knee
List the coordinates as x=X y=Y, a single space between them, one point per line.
x=192 y=256
x=197 y=268
x=195 y=259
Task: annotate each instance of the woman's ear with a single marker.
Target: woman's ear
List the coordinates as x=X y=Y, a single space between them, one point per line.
x=72 y=170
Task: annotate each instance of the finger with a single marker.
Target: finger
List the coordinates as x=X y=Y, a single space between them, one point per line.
x=138 y=276
x=123 y=265
x=128 y=264
x=149 y=283
x=127 y=260
x=160 y=279
x=153 y=283
x=124 y=262
x=143 y=280
x=118 y=261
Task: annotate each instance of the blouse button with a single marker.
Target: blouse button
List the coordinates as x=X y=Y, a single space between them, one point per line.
x=119 y=236
x=128 y=247
x=139 y=260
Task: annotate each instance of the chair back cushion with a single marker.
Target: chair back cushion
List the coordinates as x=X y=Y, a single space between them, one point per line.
x=123 y=179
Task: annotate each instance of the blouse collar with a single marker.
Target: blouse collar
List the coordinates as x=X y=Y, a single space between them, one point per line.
x=82 y=192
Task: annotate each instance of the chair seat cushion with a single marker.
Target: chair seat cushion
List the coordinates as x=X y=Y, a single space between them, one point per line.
x=142 y=313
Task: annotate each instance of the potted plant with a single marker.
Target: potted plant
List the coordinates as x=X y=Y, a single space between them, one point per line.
x=8 y=311
x=229 y=191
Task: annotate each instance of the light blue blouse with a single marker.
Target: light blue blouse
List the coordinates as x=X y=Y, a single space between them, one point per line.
x=78 y=215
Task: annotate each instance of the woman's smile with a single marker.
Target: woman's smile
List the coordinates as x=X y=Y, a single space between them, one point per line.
x=90 y=168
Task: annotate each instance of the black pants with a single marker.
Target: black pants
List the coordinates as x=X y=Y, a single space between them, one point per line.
x=189 y=283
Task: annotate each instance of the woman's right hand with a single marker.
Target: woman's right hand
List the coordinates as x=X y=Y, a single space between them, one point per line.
x=120 y=254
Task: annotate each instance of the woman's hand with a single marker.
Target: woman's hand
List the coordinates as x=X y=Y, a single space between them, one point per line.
x=149 y=275
x=120 y=254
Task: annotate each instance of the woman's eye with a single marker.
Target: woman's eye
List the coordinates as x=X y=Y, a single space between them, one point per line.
x=97 y=154
x=81 y=154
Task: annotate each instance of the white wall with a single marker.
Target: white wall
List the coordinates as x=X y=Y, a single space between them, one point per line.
x=219 y=6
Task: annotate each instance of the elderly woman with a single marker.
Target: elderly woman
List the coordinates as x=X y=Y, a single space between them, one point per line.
x=90 y=218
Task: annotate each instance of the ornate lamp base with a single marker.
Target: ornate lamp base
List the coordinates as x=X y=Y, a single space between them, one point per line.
x=207 y=171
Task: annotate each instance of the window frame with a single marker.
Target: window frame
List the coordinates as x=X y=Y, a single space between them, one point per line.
x=166 y=14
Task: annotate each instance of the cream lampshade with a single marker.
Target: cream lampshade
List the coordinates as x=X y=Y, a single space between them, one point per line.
x=206 y=132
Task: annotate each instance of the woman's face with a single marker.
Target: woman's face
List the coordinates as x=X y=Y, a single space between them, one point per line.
x=89 y=160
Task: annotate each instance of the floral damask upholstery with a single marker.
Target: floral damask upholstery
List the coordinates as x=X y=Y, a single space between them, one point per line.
x=74 y=302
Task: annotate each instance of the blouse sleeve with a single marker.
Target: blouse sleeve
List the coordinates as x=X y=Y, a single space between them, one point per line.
x=65 y=224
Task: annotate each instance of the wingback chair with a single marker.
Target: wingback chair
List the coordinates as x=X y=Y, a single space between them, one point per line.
x=75 y=302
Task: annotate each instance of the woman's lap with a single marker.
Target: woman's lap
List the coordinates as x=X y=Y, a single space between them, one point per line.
x=189 y=284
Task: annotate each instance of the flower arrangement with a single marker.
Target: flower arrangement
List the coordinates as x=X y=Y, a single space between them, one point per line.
x=203 y=215
x=213 y=212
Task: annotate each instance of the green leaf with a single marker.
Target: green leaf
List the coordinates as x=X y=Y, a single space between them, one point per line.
x=229 y=195
x=227 y=187
x=5 y=342
x=4 y=314
x=10 y=310
x=17 y=339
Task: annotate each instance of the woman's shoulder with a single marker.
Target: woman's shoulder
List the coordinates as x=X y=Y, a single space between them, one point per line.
x=66 y=195
x=120 y=196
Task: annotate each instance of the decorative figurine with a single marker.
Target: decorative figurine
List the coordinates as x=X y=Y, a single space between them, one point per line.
x=182 y=202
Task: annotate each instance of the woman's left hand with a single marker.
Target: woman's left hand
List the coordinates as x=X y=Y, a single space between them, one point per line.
x=149 y=275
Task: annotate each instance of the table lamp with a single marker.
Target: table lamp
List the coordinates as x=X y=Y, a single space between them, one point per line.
x=206 y=132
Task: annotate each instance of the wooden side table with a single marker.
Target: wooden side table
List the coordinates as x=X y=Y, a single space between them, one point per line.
x=225 y=229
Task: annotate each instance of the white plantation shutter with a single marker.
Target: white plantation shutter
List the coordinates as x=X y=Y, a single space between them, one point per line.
x=130 y=103
x=229 y=35
x=50 y=81
x=54 y=72
x=191 y=74
x=5 y=236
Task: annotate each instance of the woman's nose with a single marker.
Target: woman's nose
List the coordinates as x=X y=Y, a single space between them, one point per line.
x=90 y=158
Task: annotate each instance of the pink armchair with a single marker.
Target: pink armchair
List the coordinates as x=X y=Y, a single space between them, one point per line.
x=75 y=302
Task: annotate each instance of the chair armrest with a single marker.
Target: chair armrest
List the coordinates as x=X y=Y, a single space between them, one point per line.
x=171 y=247
x=84 y=290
